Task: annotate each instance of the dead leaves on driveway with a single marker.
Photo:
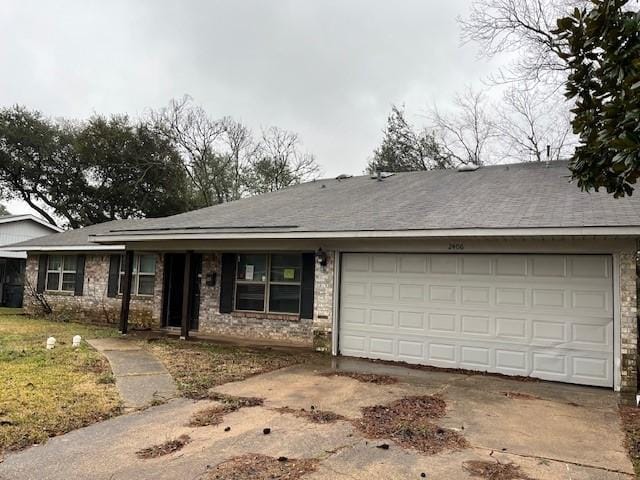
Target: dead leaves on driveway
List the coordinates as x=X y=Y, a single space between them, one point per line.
x=409 y=423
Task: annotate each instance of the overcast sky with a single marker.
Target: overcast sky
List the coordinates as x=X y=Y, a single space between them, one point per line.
x=329 y=70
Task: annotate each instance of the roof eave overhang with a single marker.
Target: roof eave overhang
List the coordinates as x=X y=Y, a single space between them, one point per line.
x=63 y=248
x=133 y=237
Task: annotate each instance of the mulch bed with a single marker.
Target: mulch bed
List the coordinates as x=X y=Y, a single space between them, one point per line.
x=315 y=416
x=213 y=415
x=165 y=448
x=254 y=466
x=631 y=424
x=409 y=422
x=494 y=470
x=364 y=377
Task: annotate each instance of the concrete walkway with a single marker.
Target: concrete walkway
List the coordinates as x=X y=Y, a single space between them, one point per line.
x=140 y=376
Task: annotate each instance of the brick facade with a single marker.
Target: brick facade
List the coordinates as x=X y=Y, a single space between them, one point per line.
x=628 y=322
x=94 y=306
x=283 y=327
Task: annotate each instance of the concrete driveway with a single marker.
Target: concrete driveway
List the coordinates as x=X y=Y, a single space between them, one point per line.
x=553 y=431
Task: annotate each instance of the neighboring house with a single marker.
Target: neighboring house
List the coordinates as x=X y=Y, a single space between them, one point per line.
x=17 y=228
x=508 y=269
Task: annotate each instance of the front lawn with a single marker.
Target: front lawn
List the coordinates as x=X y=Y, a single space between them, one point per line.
x=198 y=366
x=44 y=393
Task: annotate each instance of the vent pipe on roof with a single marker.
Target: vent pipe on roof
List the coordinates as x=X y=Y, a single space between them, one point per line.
x=467 y=167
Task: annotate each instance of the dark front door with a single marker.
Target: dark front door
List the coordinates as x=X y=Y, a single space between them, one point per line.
x=174 y=289
x=194 y=290
x=174 y=267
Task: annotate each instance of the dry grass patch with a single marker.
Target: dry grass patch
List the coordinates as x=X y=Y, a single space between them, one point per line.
x=494 y=470
x=50 y=392
x=213 y=415
x=409 y=422
x=313 y=415
x=253 y=466
x=165 y=448
x=198 y=366
x=364 y=377
x=631 y=424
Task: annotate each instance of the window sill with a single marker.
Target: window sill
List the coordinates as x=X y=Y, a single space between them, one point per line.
x=62 y=293
x=287 y=317
x=137 y=297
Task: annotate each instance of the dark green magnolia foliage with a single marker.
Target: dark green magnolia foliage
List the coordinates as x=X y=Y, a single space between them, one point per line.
x=602 y=51
x=104 y=169
x=404 y=149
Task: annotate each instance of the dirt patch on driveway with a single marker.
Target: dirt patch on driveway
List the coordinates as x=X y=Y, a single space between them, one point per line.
x=409 y=422
x=254 y=466
x=520 y=396
x=494 y=470
x=165 y=448
x=315 y=416
x=213 y=415
x=364 y=377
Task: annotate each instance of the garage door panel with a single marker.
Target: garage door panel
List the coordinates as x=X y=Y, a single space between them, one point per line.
x=547 y=316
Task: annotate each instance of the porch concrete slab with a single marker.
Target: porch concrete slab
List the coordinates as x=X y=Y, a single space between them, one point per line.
x=140 y=377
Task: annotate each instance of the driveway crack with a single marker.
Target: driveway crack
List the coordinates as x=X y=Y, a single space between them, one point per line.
x=540 y=457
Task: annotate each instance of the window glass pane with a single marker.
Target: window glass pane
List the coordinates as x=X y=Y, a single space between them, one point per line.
x=284 y=298
x=69 y=281
x=250 y=297
x=286 y=268
x=69 y=263
x=252 y=267
x=54 y=262
x=148 y=263
x=52 y=281
x=145 y=284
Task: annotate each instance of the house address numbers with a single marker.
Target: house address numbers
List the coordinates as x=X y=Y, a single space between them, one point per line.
x=456 y=246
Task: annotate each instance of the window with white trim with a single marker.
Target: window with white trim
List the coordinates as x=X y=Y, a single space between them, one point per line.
x=61 y=273
x=268 y=282
x=143 y=277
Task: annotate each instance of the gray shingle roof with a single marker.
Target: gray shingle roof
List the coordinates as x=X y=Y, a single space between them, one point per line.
x=527 y=195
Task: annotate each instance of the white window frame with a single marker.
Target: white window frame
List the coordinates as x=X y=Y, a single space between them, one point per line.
x=61 y=272
x=136 y=274
x=267 y=284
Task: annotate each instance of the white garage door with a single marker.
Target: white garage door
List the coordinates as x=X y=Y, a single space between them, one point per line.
x=545 y=316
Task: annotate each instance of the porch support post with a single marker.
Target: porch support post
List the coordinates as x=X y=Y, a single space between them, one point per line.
x=186 y=297
x=126 y=291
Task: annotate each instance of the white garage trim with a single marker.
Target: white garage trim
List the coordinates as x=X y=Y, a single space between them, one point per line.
x=582 y=351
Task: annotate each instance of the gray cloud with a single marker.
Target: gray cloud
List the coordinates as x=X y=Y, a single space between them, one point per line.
x=328 y=70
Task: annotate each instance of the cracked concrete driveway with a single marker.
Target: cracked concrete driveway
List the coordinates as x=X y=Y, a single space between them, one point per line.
x=550 y=430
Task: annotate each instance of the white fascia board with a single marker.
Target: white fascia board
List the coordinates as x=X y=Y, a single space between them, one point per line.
x=64 y=248
x=448 y=233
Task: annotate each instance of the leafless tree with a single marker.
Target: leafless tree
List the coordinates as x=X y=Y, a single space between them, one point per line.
x=529 y=119
x=522 y=26
x=197 y=137
x=279 y=162
x=466 y=131
x=242 y=148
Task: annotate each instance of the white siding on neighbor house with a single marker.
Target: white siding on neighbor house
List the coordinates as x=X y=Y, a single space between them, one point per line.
x=19 y=231
x=546 y=316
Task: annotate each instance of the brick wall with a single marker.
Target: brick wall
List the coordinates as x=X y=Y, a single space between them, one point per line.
x=94 y=306
x=628 y=322
x=289 y=328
